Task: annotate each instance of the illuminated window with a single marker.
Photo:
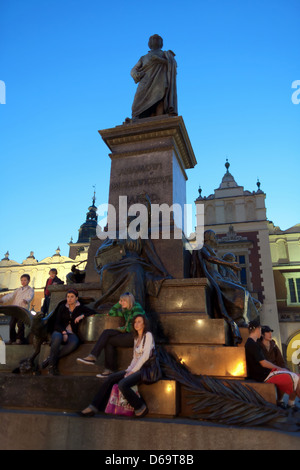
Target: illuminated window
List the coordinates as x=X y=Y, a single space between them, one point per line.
x=292 y=282
x=293 y=290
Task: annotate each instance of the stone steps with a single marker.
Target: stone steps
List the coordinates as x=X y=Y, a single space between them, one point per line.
x=166 y=398
x=192 y=328
x=73 y=393
x=200 y=359
x=52 y=430
x=199 y=342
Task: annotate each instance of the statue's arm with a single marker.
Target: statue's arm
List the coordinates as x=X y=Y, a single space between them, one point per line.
x=214 y=259
x=135 y=71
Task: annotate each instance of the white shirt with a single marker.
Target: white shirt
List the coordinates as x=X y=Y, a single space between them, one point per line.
x=18 y=297
x=141 y=353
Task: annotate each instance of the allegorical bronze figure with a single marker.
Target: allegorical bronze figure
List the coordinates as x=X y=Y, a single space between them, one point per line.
x=129 y=265
x=138 y=269
x=230 y=299
x=155 y=73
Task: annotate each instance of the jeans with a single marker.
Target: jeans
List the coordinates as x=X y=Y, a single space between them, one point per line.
x=46 y=304
x=60 y=349
x=125 y=384
x=109 y=340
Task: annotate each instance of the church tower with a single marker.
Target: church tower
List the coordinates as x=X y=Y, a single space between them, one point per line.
x=86 y=231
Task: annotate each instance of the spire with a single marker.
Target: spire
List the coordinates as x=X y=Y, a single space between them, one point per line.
x=228 y=180
x=6 y=256
x=258 y=186
x=227 y=165
x=88 y=228
x=92 y=213
x=94 y=197
x=57 y=252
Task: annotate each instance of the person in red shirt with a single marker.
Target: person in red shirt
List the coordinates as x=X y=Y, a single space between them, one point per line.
x=262 y=370
x=53 y=279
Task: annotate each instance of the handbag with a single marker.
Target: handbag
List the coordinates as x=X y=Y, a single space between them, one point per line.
x=117 y=403
x=150 y=370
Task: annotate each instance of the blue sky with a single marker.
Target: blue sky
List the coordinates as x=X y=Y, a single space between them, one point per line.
x=66 y=68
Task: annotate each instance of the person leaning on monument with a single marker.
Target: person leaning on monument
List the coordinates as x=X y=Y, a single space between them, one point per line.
x=262 y=370
x=52 y=280
x=270 y=349
x=21 y=297
x=110 y=339
x=142 y=350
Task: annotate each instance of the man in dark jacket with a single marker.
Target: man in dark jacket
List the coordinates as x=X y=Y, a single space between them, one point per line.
x=270 y=349
x=262 y=370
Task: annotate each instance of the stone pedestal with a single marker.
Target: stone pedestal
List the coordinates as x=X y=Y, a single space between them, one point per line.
x=150 y=156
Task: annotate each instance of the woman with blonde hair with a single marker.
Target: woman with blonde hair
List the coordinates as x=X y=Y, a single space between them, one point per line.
x=110 y=339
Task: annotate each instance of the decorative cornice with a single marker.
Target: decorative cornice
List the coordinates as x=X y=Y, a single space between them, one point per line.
x=148 y=130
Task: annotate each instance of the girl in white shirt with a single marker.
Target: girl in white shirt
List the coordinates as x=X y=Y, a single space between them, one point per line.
x=143 y=346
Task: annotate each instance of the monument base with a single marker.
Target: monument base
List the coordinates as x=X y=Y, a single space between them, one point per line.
x=173 y=252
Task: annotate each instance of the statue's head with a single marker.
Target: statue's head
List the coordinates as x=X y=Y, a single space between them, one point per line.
x=209 y=236
x=155 y=42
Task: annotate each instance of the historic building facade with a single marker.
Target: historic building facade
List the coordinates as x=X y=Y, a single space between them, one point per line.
x=268 y=256
x=285 y=252
x=11 y=271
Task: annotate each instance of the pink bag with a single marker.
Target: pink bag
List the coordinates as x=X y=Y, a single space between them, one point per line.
x=117 y=403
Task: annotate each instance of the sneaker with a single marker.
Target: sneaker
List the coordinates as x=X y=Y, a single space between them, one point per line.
x=46 y=363
x=89 y=360
x=105 y=373
x=141 y=412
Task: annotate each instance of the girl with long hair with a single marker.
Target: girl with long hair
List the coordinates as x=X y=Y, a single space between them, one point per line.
x=143 y=346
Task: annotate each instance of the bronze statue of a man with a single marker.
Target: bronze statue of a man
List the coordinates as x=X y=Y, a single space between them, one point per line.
x=155 y=73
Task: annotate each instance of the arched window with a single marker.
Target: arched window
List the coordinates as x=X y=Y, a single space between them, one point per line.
x=282 y=252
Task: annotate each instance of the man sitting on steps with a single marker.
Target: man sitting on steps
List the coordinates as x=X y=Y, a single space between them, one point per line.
x=261 y=370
